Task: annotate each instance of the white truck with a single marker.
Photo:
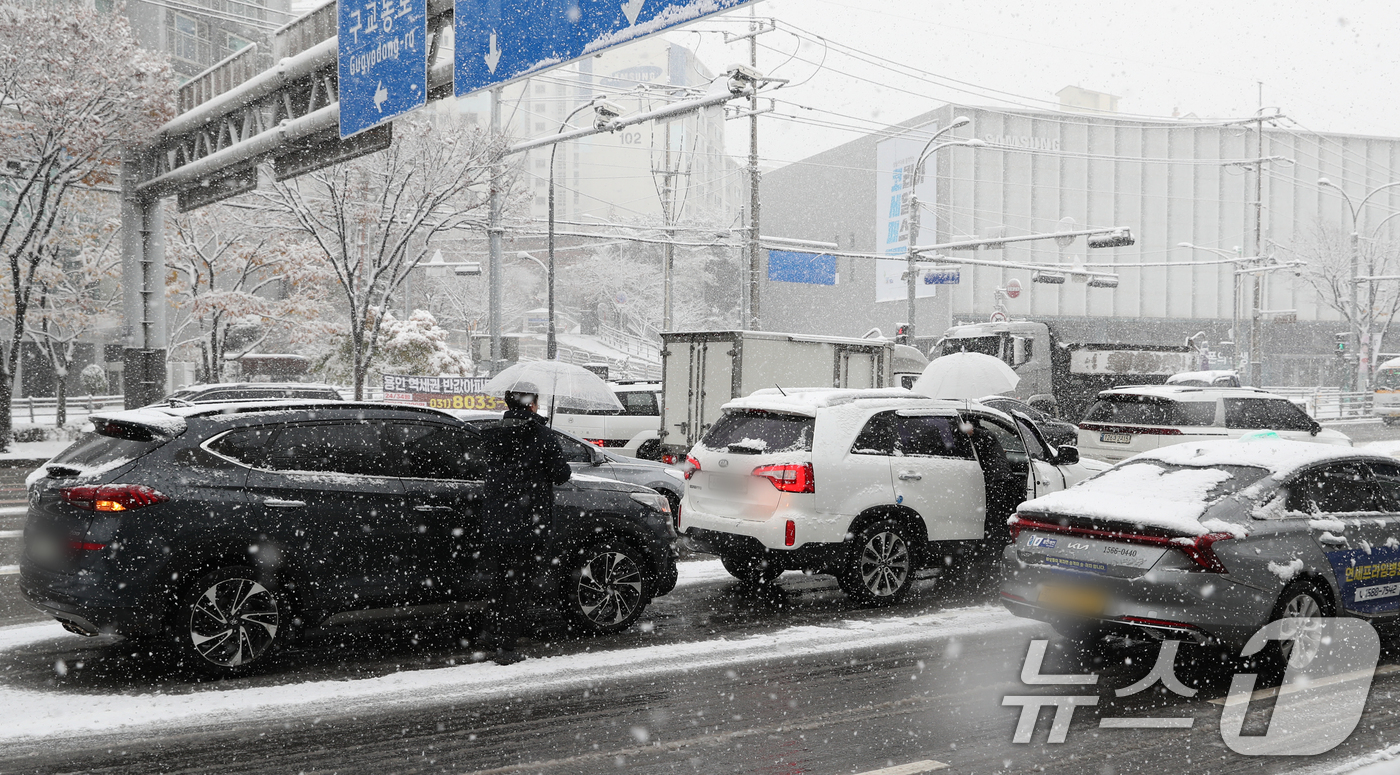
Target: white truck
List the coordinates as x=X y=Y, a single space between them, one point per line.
x=703 y=370
x=1073 y=373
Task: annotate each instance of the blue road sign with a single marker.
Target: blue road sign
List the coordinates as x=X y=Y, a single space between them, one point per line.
x=500 y=40
x=791 y=266
x=383 y=61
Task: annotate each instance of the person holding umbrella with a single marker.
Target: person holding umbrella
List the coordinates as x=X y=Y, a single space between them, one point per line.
x=525 y=462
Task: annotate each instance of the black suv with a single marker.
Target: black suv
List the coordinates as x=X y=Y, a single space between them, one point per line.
x=219 y=530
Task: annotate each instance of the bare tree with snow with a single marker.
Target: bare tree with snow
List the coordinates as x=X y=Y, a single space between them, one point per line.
x=236 y=284
x=373 y=218
x=1327 y=251
x=75 y=89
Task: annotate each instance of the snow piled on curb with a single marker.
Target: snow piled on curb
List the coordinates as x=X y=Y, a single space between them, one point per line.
x=26 y=714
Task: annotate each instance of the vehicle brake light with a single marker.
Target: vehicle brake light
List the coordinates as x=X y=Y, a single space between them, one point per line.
x=691 y=466
x=112 y=497
x=1202 y=550
x=789 y=477
x=596 y=442
x=85 y=546
x=1139 y=430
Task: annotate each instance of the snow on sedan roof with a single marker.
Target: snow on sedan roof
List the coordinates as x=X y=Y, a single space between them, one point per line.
x=1139 y=492
x=1278 y=455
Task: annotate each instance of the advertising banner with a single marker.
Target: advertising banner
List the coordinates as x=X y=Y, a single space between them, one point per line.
x=440 y=392
x=894 y=185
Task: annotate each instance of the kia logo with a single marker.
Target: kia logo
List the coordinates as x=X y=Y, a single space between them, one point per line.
x=723 y=463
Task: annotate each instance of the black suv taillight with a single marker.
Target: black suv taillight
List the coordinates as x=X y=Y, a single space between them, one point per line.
x=112 y=497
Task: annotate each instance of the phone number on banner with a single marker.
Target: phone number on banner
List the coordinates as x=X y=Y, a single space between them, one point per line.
x=440 y=401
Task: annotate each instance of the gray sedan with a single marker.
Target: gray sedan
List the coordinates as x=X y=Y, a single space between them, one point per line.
x=591 y=460
x=1209 y=541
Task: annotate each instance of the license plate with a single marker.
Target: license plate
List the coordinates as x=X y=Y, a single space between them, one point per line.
x=1076 y=600
x=1116 y=438
x=729 y=485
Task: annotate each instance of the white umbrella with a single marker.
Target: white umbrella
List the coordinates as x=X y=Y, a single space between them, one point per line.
x=565 y=385
x=965 y=375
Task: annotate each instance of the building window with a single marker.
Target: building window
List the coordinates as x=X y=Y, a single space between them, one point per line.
x=234 y=43
x=189 y=39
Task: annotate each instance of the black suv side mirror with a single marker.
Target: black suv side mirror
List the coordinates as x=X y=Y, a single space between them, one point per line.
x=1316 y=428
x=596 y=456
x=1066 y=456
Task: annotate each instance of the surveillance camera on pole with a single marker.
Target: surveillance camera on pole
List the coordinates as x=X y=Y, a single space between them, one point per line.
x=743 y=80
x=605 y=113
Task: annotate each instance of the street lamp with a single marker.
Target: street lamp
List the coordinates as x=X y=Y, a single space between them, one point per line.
x=912 y=271
x=437 y=268
x=1235 y=258
x=606 y=113
x=1363 y=337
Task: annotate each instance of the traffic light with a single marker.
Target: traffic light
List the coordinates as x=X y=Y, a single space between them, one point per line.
x=1345 y=343
x=901 y=335
x=1115 y=239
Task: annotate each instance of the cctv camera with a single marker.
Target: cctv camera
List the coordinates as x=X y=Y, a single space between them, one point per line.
x=605 y=113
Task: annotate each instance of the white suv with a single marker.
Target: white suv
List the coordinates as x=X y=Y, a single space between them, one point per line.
x=866 y=485
x=1128 y=420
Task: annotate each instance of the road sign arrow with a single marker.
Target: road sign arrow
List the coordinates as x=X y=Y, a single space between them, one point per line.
x=380 y=95
x=493 y=54
x=631 y=9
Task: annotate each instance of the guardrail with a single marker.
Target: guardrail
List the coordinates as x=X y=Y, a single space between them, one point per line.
x=40 y=409
x=1329 y=403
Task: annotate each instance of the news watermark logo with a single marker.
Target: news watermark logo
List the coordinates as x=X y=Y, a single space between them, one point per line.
x=1330 y=664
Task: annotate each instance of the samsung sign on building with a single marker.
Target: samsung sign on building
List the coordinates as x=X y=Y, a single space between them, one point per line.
x=1023 y=141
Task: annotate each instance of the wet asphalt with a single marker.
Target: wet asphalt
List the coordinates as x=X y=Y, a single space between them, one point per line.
x=934 y=698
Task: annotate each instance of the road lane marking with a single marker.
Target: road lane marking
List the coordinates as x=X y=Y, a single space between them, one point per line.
x=11 y=534
x=913 y=768
x=9 y=570
x=1273 y=691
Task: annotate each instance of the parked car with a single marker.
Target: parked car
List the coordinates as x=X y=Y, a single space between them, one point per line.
x=631 y=432
x=593 y=460
x=222 y=530
x=1129 y=420
x=865 y=485
x=249 y=391
x=1215 y=378
x=1056 y=431
x=1209 y=541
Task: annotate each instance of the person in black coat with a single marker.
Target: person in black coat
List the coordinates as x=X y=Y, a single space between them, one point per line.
x=1003 y=489
x=525 y=462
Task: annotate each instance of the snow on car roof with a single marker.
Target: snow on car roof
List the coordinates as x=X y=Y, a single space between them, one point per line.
x=1144 y=494
x=1278 y=455
x=162 y=420
x=1189 y=392
x=807 y=401
x=1205 y=376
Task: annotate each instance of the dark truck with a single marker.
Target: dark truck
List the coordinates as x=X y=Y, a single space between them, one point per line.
x=1072 y=372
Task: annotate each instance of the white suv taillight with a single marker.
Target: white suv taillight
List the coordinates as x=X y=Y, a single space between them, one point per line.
x=789 y=477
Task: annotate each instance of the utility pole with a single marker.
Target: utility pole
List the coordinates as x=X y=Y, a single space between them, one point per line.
x=493 y=229
x=1254 y=374
x=669 y=261
x=753 y=321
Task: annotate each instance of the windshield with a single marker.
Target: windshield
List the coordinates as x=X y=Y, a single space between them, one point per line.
x=1145 y=410
x=759 y=433
x=1388 y=379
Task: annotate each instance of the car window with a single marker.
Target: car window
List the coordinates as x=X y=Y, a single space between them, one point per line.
x=755 y=433
x=1151 y=410
x=638 y=403
x=431 y=451
x=1034 y=447
x=575 y=451
x=877 y=437
x=349 y=447
x=932 y=436
x=1339 y=488
x=1275 y=414
x=1387 y=478
x=1010 y=441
